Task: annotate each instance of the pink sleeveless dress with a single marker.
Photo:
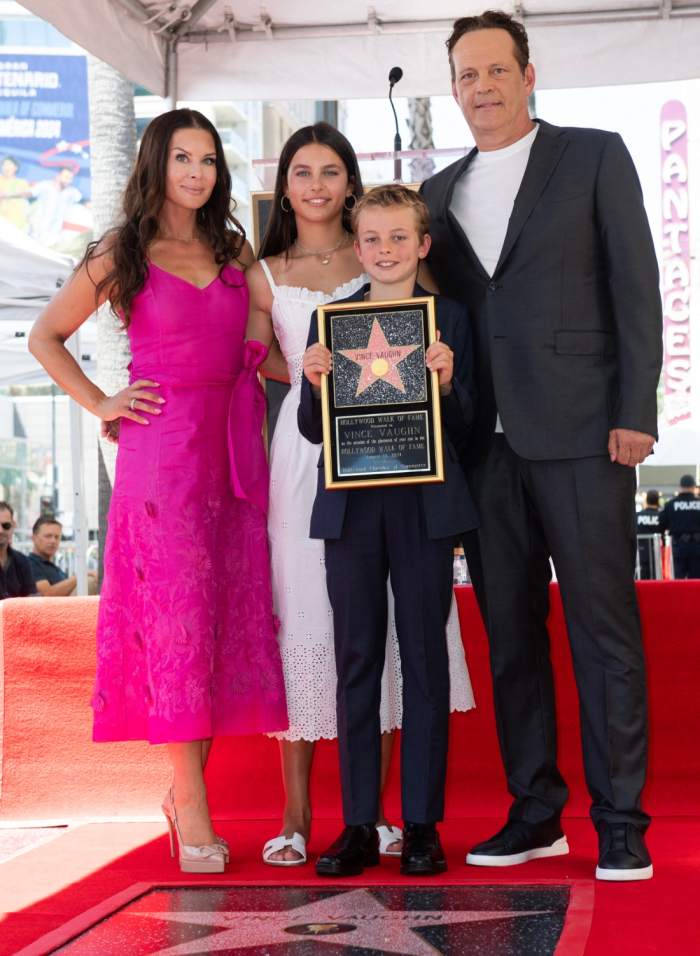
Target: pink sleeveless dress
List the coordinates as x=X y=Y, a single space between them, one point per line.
x=186 y=645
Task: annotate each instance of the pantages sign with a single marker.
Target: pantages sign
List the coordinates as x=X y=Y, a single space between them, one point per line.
x=675 y=265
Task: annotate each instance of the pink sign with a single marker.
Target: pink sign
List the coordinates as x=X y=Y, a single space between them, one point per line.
x=675 y=264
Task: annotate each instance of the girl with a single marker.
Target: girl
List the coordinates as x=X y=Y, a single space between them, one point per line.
x=306 y=260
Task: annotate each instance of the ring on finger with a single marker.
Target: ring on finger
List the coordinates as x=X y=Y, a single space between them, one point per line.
x=132 y=404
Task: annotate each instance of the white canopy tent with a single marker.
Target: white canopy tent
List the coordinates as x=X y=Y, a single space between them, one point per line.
x=340 y=49
x=29 y=278
x=30 y=275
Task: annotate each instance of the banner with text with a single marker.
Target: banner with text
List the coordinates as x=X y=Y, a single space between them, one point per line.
x=44 y=147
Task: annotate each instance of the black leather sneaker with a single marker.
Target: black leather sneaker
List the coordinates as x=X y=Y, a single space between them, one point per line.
x=622 y=853
x=519 y=842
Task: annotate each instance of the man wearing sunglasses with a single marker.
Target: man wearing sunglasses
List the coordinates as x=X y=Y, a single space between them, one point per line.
x=16 y=579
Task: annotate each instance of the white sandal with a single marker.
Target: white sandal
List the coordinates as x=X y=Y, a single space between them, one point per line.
x=296 y=841
x=387 y=836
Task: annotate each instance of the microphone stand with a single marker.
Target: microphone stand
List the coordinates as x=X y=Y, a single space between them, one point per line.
x=397 y=141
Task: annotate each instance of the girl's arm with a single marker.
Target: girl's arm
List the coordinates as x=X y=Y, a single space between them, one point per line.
x=260 y=324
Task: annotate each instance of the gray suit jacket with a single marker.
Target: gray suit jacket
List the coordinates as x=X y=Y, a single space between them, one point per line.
x=568 y=328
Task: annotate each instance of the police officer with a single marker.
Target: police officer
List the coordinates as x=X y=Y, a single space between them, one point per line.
x=648 y=523
x=681 y=517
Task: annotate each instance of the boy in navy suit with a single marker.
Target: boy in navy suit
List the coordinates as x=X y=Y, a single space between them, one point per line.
x=409 y=533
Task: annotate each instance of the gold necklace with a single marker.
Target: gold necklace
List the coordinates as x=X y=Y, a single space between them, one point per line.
x=323 y=255
x=187 y=242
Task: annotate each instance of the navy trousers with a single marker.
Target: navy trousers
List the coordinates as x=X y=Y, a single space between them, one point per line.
x=384 y=535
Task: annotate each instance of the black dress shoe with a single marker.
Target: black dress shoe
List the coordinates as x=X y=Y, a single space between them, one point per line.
x=622 y=853
x=422 y=853
x=355 y=848
x=519 y=842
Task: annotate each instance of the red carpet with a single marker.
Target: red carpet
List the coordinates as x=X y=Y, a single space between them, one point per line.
x=51 y=770
x=658 y=916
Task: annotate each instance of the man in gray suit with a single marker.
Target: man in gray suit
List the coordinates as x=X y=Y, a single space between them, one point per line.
x=541 y=231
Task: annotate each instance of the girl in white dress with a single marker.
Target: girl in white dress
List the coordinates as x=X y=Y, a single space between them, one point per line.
x=306 y=260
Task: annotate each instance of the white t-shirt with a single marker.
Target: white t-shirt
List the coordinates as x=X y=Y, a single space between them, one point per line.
x=483 y=198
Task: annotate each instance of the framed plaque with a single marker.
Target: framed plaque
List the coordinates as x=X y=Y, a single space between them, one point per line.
x=262 y=208
x=380 y=404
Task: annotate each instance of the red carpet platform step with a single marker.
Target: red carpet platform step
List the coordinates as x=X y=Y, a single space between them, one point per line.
x=51 y=770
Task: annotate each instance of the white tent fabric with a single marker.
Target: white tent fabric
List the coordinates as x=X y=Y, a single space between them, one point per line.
x=341 y=49
x=29 y=278
x=30 y=273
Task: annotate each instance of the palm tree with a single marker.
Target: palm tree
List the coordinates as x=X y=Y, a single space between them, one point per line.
x=113 y=148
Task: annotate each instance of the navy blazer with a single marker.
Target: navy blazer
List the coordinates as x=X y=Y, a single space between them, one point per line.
x=568 y=329
x=448 y=506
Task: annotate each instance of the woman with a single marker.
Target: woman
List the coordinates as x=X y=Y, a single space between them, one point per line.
x=186 y=642
x=307 y=259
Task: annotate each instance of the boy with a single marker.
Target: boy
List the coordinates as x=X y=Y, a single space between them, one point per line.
x=409 y=532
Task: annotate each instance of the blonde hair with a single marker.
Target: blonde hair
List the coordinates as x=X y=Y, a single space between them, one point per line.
x=394 y=194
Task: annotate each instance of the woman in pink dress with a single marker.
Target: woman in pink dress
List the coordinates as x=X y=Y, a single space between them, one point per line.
x=186 y=646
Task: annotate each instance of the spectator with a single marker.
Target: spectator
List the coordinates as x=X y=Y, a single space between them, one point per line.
x=15 y=570
x=681 y=518
x=53 y=198
x=14 y=193
x=648 y=524
x=50 y=580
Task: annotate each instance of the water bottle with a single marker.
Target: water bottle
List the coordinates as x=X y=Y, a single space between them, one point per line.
x=460 y=574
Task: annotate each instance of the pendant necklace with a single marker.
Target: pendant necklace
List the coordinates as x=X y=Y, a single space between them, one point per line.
x=323 y=255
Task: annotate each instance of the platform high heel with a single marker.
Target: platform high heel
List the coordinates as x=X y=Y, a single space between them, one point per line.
x=208 y=858
x=221 y=841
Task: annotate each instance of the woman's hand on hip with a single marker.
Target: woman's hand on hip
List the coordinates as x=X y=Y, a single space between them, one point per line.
x=130 y=401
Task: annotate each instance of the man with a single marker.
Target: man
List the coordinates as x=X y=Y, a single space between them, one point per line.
x=681 y=518
x=15 y=571
x=648 y=524
x=50 y=580
x=53 y=198
x=541 y=231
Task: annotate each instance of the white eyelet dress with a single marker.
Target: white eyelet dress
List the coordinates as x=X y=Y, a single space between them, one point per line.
x=298 y=567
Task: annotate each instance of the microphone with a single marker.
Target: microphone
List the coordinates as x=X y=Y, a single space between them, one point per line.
x=395 y=74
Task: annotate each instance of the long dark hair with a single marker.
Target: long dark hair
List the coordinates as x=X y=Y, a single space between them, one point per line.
x=281 y=228
x=143 y=200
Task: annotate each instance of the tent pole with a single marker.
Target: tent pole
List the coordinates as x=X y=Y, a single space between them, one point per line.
x=80 y=529
x=171 y=73
x=54 y=465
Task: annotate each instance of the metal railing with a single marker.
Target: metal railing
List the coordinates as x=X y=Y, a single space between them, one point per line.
x=654 y=558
